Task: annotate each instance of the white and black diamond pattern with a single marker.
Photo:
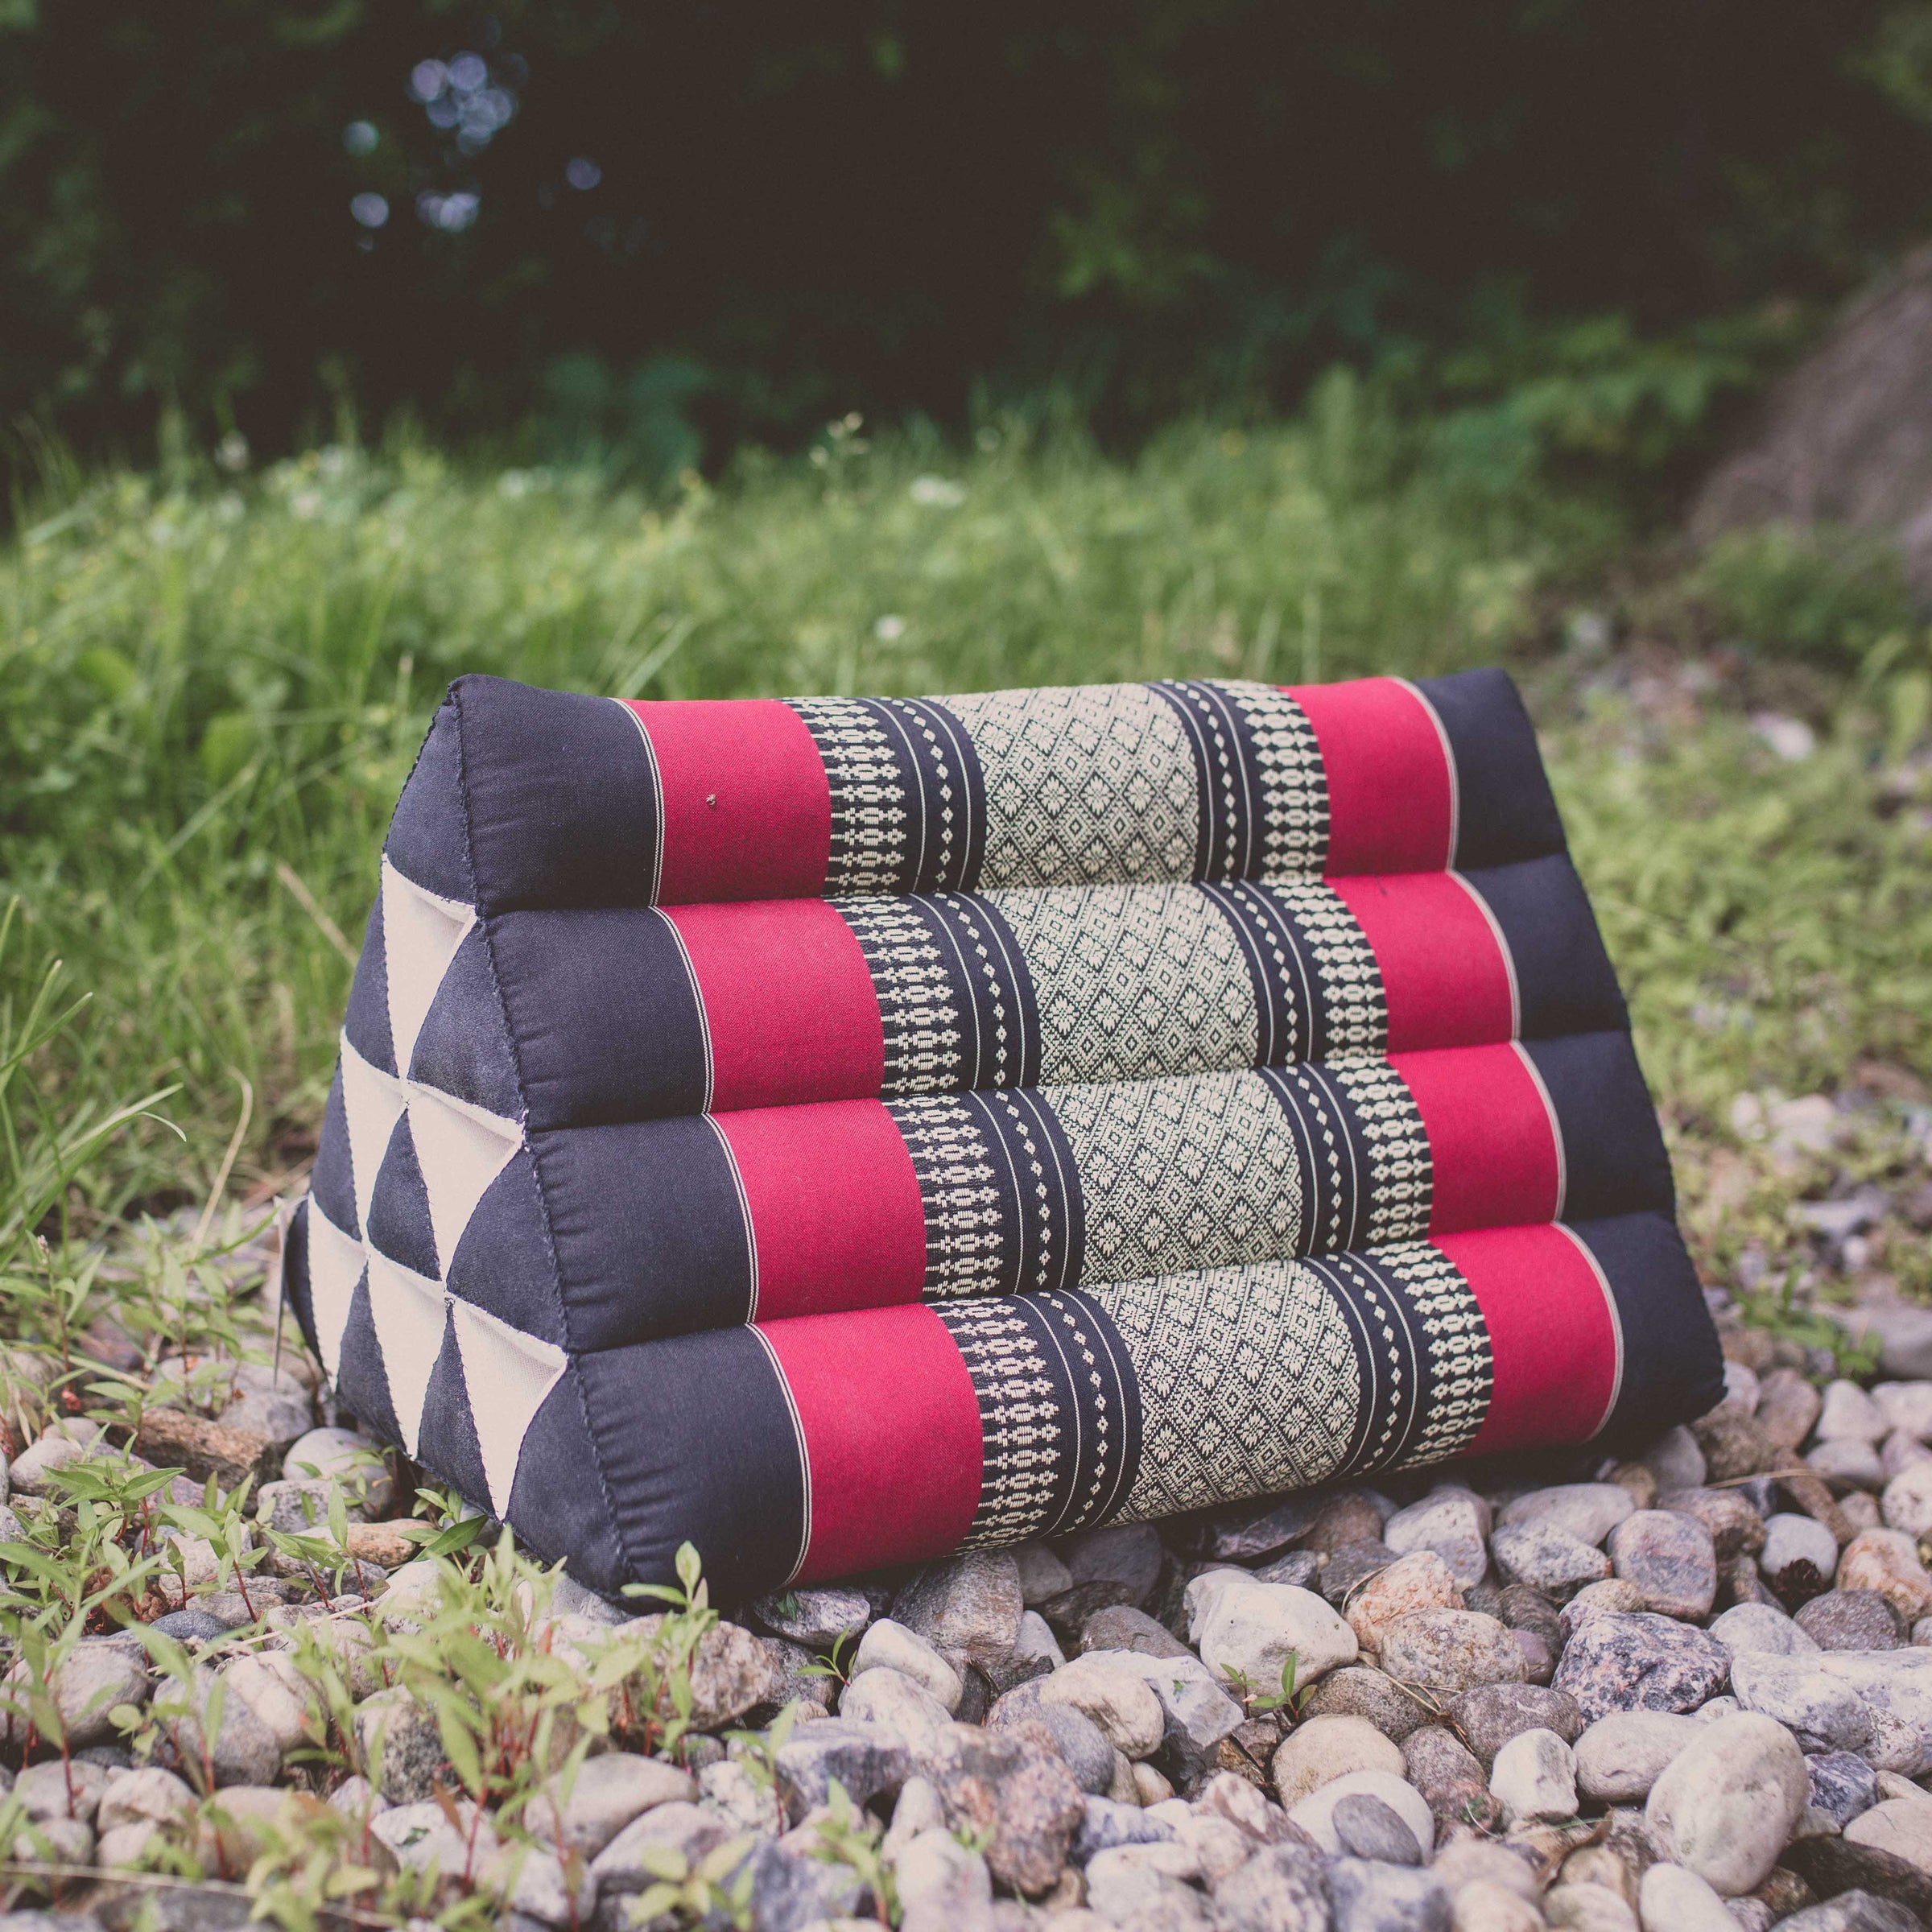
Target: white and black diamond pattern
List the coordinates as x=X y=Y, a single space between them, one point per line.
x=419 y=1162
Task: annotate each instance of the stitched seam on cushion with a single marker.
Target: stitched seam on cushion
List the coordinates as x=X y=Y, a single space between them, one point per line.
x=516 y=1056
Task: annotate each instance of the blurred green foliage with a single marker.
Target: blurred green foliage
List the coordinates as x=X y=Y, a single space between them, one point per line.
x=217 y=682
x=646 y=233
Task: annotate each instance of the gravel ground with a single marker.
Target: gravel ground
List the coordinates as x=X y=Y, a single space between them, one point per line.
x=1689 y=1690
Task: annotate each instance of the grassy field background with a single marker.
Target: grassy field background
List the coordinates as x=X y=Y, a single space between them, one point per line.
x=214 y=681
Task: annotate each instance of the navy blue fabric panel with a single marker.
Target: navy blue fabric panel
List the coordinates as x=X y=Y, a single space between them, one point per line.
x=1673 y=1368
x=650 y=1230
x=503 y=1262
x=1614 y=1160
x=559 y=1505
x=938 y=773
x=696 y=1442
x=603 y=1015
x=361 y=1379
x=1333 y=1149
x=1081 y=1371
x=295 y=1276
x=562 y=795
x=1563 y=975
x=427 y=842
x=1221 y=850
x=367 y=1021
x=994 y=989
x=1505 y=810
x=399 y=1222
x=464 y=1045
x=448 y=1443
x=1038 y=1215
x=1390 y=1362
x=333 y=1183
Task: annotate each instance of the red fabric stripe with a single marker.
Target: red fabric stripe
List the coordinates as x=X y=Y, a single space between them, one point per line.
x=892 y=1436
x=1492 y=1153
x=747 y=811
x=835 y=1205
x=1444 y=972
x=1551 y=1335
x=788 y=1000
x=1391 y=792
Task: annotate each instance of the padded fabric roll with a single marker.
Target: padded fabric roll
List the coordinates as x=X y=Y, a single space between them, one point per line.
x=566 y=1018
x=816 y=1447
x=526 y=799
x=593 y=1238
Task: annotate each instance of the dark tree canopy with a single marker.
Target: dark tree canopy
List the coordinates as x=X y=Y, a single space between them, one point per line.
x=760 y=214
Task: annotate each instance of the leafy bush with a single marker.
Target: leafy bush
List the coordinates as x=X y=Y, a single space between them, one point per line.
x=1827 y=594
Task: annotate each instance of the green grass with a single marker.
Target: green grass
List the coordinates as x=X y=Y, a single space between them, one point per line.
x=215 y=685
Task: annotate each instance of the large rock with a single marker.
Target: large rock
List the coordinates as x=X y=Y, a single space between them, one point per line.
x=1316 y=1813
x=1282 y=1888
x=1197 y=1713
x=1118 y=1700
x=1726 y=1805
x=1639 y=1662
x=1745 y=1629
x=938 y=1881
x=1897 y=1684
x=608 y=1792
x=96 y=1677
x=1011 y=1792
x=1246 y=1630
x=968 y=1608
x=266 y=1714
x=1671 y=1559
x=1673 y=1900
x=1842 y=1785
x=1846 y=439
x=1361 y=1692
x=1419 y=1581
x=1621 y=1757
x=1451 y=1520
x=1533 y=1779
x=1822 y=1712
x=1445 y=1651
x=1851 y=1620
x=1902 y=1826
x=633 y=1859
x=1452 y=1784
x=814 y=1618
x=397 y=1734
x=1548 y=1558
x=1089 y=1757
x=1368 y=1828
x=1491 y=1714
x=1121 y=1627
x=1128 y=1555
x=888 y=1644
x=1903 y=1334
x=1586 y=1511
x=1907 y=1407
x=1367 y=1897
x=1887 y=1561
x=1320 y=1749
x=891 y=1701
x=866 y=1759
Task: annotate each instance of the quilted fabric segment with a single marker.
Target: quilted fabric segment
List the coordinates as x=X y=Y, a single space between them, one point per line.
x=836 y=1131
x=573 y=1017
x=531 y=798
x=820 y=1445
